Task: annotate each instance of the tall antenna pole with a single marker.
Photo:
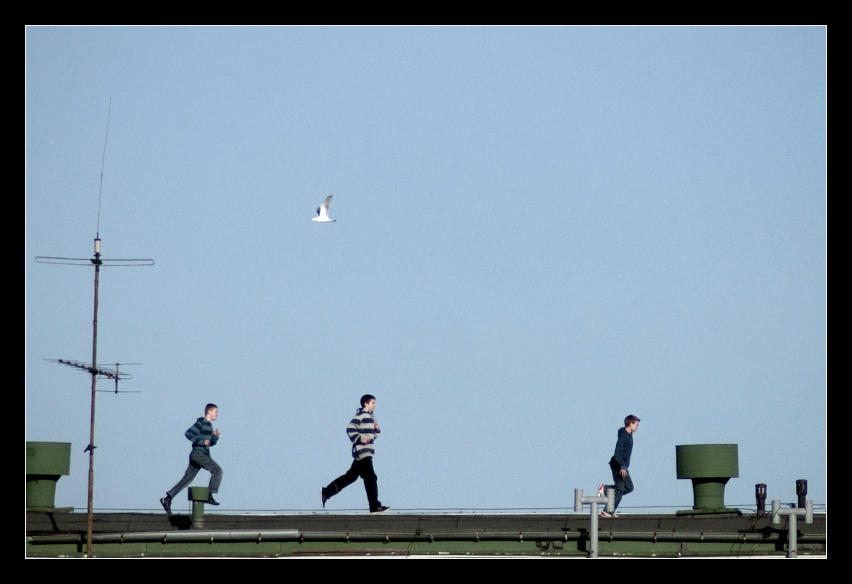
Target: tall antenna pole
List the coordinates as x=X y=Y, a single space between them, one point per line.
x=97 y=261
x=91 y=448
x=90 y=516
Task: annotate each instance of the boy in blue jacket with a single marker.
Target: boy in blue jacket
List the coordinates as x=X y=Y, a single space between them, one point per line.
x=620 y=462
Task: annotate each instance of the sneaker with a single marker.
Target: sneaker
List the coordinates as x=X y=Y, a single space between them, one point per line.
x=211 y=500
x=601 y=491
x=379 y=509
x=166 y=502
x=323 y=498
x=606 y=515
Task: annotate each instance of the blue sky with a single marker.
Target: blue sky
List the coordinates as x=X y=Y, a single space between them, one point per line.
x=540 y=230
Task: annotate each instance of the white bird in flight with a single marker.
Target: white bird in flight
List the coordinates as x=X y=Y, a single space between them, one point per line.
x=322 y=212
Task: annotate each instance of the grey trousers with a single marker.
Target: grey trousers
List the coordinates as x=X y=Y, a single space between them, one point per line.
x=197 y=461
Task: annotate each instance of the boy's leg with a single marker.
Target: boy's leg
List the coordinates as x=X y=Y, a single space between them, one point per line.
x=370 y=482
x=204 y=461
x=342 y=481
x=619 y=487
x=191 y=470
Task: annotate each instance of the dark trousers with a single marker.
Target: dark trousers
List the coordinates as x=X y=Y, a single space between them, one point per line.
x=623 y=485
x=360 y=468
x=197 y=461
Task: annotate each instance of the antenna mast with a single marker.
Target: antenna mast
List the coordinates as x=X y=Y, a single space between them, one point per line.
x=95 y=372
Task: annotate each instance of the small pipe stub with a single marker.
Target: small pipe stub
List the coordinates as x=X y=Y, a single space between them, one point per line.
x=760 y=495
x=198 y=496
x=802 y=492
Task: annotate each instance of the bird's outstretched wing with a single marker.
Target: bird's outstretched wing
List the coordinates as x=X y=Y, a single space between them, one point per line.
x=322 y=211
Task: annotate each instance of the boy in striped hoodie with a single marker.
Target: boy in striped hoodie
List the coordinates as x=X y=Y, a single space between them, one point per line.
x=203 y=436
x=362 y=431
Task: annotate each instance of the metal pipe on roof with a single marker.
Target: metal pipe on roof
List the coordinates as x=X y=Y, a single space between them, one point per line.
x=196 y=536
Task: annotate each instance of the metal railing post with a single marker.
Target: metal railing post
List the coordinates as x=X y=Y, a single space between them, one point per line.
x=580 y=500
x=792 y=533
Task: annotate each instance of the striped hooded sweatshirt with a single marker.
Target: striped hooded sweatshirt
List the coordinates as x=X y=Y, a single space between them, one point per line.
x=200 y=431
x=361 y=428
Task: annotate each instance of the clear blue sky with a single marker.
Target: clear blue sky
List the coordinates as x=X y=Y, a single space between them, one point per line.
x=540 y=231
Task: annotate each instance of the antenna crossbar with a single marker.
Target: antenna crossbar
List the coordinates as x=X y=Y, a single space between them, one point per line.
x=98 y=261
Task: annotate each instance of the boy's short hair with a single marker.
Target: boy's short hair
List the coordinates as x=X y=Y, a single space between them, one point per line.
x=365 y=399
x=209 y=407
x=630 y=419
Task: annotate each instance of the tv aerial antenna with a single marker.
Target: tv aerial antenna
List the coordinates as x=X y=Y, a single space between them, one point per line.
x=102 y=373
x=96 y=372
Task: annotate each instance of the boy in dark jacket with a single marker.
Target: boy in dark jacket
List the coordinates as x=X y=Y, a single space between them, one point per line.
x=620 y=462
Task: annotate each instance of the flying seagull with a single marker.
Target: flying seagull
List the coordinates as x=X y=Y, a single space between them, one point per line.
x=322 y=212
